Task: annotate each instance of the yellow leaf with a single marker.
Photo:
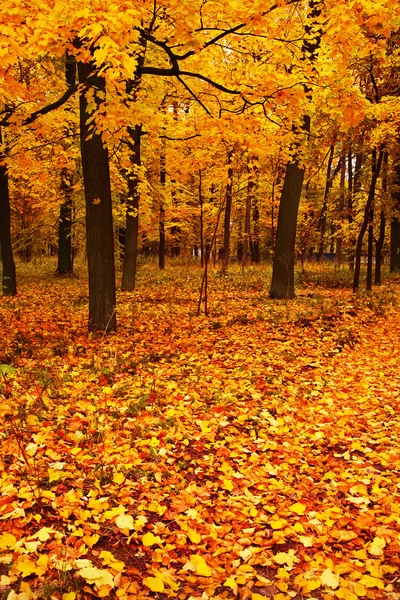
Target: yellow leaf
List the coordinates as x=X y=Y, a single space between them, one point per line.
x=227 y=485
x=202 y=567
x=118 y=478
x=97 y=576
x=298 y=508
x=371 y=582
x=7 y=541
x=376 y=546
x=306 y=540
x=257 y=597
x=230 y=582
x=69 y=596
x=330 y=579
x=194 y=536
x=124 y=522
x=278 y=523
x=360 y=589
x=149 y=539
x=25 y=566
x=154 y=583
x=96 y=201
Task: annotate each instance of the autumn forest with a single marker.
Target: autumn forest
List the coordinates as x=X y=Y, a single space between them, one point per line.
x=200 y=254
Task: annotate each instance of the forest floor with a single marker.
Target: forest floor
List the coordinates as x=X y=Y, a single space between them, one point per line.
x=253 y=453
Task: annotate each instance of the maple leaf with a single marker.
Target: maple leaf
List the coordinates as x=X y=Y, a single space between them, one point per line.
x=155 y=584
x=329 y=578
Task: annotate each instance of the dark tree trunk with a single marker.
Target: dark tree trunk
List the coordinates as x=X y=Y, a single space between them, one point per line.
x=161 y=246
x=370 y=249
x=227 y=217
x=246 y=236
x=9 y=280
x=339 y=239
x=65 y=259
x=65 y=264
x=395 y=224
x=376 y=167
x=322 y=219
x=99 y=220
x=282 y=285
x=202 y=258
x=255 y=241
x=379 y=246
x=382 y=224
x=132 y=212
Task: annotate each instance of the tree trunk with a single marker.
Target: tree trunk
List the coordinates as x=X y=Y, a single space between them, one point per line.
x=382 y=224
x=65 y=265
x=395 y=224
x=322 y=219
x=282 y=285
x=370 y=249
x=65 y=261
x=161 y=246
x=9 y=280
x=202 y=258
x=339 y=239
x=255 y=242
x=376 y=167
x=379 y=246
x=99 y=220
x=227 y=218
x=132 y=213
x=249 y=202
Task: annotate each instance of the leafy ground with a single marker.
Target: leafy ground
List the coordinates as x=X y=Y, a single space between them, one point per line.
x=254 y=453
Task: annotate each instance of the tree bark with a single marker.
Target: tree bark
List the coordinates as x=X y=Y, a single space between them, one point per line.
x=65 y=261
x=282 y=285
x=395 y=224
x=65 y=265
x=202 y=258
x=370 y=249
x=161 y=246
x=9 y=280
x=227 y=217
x=249 y=202
x=382 y=225
x=339 y=238
x=99 y=220
x=376 y=167
x=132 y=212
x=322 y=219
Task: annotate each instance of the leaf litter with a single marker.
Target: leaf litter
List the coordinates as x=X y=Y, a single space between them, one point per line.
x=253 y=454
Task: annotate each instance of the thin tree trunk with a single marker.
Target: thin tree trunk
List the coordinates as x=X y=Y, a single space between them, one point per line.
x=99 y=219
x=202 y=258
x=132 y=212
x=379 y=246
x=339 y=239
x=370 y=249
x=382 y=224
x=249 y=202
x=163 y=177
x=9 y=280
x=395 y=224
x=227 y=218
x=65 y=265
x=376 y=167
x=65 y=262
x=322 y=219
